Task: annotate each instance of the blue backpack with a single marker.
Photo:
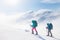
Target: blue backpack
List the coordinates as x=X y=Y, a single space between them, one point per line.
x=51 y=26
x=34 y=23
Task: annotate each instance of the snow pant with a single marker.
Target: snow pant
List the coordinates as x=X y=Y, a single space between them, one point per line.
x=49 y=33
x=35 y=31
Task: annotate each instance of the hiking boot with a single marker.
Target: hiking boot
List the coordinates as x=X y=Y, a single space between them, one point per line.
x=51 y=36
x=47 y=35
x=32 y=32
x=36 y=33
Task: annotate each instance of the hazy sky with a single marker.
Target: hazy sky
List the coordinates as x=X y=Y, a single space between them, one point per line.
x=25 y=5
x=11 y=10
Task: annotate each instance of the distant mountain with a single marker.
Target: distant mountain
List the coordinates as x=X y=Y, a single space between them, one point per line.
x=40 y=16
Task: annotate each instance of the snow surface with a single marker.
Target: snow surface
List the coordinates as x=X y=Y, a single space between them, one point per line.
x=11 y=30
x=25 y=34
x=12 y=33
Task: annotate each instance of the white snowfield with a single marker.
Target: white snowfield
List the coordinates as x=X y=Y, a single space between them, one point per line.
x=11 y=30
x=11 y=33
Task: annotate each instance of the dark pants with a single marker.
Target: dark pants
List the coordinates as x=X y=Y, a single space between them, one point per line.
x=35 y=31
x=49 y=33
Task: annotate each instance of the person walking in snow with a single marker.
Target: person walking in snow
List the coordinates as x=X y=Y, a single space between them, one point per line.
x=34 y=25
x=49 y=27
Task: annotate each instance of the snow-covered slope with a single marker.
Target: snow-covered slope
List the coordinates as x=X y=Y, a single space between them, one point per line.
x=11 y=30
x=11 y=33
x=56 y=27
x=40 y=15
x=24 y=34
